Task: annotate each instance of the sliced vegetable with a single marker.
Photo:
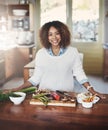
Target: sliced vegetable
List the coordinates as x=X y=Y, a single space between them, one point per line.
x=15 y=95
x=56 y=96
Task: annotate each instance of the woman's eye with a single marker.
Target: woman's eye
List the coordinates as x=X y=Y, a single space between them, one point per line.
x=57 y=33
x=49 y=34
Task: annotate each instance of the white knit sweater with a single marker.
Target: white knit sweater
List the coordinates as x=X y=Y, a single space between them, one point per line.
x=56 y=72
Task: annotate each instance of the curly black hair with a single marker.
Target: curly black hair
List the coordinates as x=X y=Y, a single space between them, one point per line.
x=62 y=29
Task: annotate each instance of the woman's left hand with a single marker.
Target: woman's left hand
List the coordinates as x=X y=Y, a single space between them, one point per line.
x=102 y=96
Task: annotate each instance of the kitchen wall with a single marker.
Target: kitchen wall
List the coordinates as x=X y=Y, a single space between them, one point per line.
x=93 y=57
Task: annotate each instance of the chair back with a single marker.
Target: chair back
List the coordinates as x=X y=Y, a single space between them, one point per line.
x=81 y=57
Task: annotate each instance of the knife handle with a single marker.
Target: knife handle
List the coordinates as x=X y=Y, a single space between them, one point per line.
x=60 y=92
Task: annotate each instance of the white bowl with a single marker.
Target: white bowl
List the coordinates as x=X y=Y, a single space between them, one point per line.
x=19 y=12
x=96 y=99
x=18 y=100
x=79 y=99
x=82 y=96
x=87 y=104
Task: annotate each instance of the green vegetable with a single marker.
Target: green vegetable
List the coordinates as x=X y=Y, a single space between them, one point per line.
x=4 y=97
x=42 y=97
x=15 y=95
x=28 y=90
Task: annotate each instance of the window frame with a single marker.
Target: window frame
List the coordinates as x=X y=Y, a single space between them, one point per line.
x=69 y=22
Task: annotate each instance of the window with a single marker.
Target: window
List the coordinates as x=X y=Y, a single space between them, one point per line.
x=53 y=10
x=85 y=20
x=85 y=17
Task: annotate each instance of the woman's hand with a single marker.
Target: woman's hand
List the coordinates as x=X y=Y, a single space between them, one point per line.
x=5 y=91
x=102 y=96
x=91 y=90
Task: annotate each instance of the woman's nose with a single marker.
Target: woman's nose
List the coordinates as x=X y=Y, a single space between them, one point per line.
x=54 y=36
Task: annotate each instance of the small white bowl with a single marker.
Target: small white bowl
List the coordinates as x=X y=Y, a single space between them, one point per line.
x=87 y=104
x=82 y=96
x=96 y=99
x=18 y=100
x=79 y=99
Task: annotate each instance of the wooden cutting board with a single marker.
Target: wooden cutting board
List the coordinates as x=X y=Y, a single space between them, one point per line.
x=54 y=103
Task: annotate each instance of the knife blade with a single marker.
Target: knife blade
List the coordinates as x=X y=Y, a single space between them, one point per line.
x=63 y=93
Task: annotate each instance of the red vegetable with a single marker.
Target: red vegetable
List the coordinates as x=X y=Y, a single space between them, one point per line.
x=56 y=96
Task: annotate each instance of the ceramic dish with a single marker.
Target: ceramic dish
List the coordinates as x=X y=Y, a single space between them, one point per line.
x=87 y=104
x=83 y=96
x=18 y=99
x=96 y=99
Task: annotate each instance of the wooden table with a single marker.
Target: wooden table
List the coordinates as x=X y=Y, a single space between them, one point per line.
x=32 y=117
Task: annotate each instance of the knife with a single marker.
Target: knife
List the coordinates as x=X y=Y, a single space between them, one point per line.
x=63 y=93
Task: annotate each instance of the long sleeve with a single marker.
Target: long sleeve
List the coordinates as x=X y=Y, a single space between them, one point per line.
x=78 y=70
x=36 y=77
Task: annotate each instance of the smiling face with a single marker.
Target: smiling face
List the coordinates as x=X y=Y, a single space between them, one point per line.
x=54 y=37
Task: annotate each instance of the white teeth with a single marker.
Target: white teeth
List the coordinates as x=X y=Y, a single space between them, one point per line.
x=55 y=42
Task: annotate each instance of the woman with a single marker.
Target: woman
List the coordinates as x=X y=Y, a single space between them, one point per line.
x=57 y=62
